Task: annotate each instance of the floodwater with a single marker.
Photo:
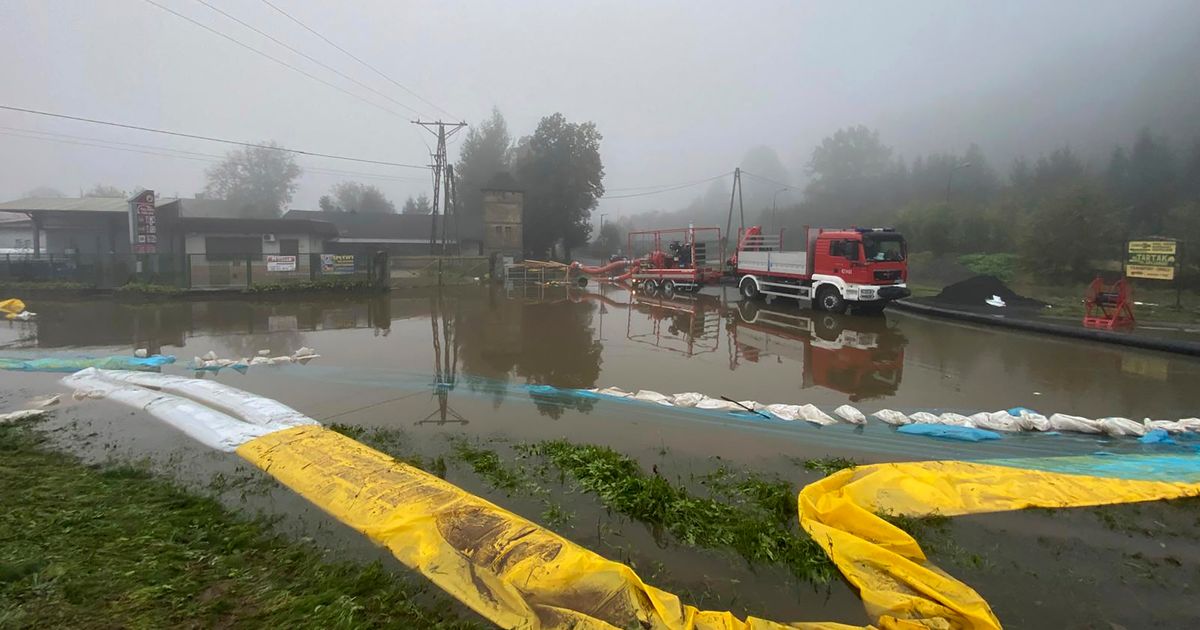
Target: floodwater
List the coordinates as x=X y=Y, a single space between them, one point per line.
x=457 y=363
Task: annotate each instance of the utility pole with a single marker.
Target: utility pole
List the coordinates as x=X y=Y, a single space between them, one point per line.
x=438 y=128
x=735 y=193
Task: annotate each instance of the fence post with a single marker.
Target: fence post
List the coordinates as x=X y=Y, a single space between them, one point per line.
x=248 y=271
x=313 y=261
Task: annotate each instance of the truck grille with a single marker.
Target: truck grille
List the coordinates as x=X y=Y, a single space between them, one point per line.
x=890 y=275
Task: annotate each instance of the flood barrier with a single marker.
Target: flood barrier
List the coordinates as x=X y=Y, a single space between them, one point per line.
x=519 y=574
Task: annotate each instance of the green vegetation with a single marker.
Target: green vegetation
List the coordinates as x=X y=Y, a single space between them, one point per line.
x=325 y=284
x=827 y=465
x=392 y=442
x=12 y=288
x=95 y=547
x=1003 y=266
x=148 y=289
x=756 y=529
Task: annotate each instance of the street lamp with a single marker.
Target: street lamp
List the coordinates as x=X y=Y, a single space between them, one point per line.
x=774 y=202
x=951 y=177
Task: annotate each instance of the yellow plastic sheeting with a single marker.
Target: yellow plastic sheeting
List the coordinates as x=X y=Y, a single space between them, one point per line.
x=11 y=307
x=508 y=569
x=894 y=578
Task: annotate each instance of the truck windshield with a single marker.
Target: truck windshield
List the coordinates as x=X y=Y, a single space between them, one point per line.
x=885 y=248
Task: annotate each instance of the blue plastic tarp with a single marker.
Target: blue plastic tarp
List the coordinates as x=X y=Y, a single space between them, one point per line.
x=949 y=432
x=74 y=364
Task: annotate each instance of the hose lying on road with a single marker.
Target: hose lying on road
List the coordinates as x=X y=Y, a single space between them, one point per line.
x=519 y=574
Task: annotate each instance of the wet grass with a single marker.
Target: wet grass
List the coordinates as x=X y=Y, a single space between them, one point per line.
x=826 y=465
x=393 y=442
x=89 y=547
x=759 y=529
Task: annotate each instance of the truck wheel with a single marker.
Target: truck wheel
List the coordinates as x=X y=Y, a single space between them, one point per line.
x=749 y=289
x=830 y=299
x=668 y=287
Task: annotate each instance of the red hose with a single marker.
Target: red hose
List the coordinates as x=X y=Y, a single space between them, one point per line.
x=602 y=270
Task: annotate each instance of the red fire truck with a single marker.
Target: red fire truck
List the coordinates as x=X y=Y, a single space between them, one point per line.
x=859 y=268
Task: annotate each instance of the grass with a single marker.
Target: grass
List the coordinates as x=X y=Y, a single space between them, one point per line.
x=329 y=285
x=93 y=547
x=1002 y=266
x=758 y=529
x=148 y=290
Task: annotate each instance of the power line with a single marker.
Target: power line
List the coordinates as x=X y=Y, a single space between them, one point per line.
x=693 y=183
x=663 y=190
x=275 y=59
x=146 y=149
x=352 y=56
x=773 y=181
x=309 y=57
x=208 y=138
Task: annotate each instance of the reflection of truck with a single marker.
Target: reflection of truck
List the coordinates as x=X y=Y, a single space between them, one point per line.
x=859 y=268
x=861 y=357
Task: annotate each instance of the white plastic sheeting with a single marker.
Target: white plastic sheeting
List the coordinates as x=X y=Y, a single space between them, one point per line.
x=186 y=409
x=850 y=414
x=892 y=417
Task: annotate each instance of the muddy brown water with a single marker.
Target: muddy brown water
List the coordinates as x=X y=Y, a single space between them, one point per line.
x=383 y=356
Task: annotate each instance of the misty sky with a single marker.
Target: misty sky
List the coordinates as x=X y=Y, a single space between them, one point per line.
x=680 y=90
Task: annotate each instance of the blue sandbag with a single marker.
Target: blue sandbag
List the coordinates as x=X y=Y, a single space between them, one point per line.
x=1017 y=411
x=949 y=432
x=74 y=364
x=1156 y=436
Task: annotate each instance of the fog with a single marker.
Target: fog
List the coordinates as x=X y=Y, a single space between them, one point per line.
x=681 y=91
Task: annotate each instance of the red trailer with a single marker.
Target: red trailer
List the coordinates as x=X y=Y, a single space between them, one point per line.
x=678 y=259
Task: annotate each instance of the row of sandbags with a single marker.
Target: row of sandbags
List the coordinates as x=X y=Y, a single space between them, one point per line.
x=1010 y=420
x=210 y=362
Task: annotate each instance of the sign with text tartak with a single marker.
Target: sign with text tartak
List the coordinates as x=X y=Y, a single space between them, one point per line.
x=1152 y=260
x=143 y=223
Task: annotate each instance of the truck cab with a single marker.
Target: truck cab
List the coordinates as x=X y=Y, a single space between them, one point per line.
x=858 y=268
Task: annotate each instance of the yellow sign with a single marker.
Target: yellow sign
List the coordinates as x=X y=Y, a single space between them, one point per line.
x=1152 y=247
x=1150 y=272
x=1153 y=260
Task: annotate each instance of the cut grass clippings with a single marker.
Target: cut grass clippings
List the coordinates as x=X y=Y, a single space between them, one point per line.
x=89 y=547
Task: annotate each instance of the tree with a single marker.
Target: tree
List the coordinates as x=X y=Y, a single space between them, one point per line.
x=611 y=239
x=562 y=173
x=1070 y=228
x=45 y=191
x=1150 y=185
x=485 y=152
x=420 y=205
x=356 y=197
x=260 y=180
x=850 y=171
x=103 y=190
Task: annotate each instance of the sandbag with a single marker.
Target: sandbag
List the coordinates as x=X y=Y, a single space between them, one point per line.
x=652 y=396
x=924 y=417
x=1078 y=424
x=1156 y=436
x=892 y=417
x=615 y=392
x=955 y=420
x=1118 y=427
x=688 y=399
x=1033 y=421
x=850 y=414
x=995 y=421
x=24 y=414
x=717 y=404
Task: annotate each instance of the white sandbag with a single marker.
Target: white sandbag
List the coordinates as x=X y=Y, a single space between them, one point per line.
x=1118 y=427
x=1183 y=425
x=687 y=399
x=281 y=360
x=616 y=392
x=1078 y=424
x=228 y=400
x=814 y=415
x=209 y=427
x=141 y=353
x=717 y=404
x=264 y=353
x=652 y=396
x=784 y=412
x=260 y=361
x=304 y=351
x=955 y=420
x=924 y=417
x=24 y=414
x=209 y=356
x=1029 y=421
x=45 y=402
x=753 y=405
x=894 y=418
x=850 y=414
x=995 y=421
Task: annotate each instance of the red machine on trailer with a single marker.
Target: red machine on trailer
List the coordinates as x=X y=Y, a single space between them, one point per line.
x=691 y=258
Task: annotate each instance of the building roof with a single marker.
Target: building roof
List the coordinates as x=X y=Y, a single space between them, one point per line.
x=366 y=227
x=11 y=219
x=67 y=204
x=502 y=180
x=208 y=208
x=286 y=225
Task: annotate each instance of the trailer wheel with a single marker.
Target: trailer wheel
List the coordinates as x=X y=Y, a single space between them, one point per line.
x=668 y=287
x=749 y=289
x=650 y=285
x=830 y=299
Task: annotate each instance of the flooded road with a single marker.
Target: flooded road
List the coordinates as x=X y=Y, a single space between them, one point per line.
x=429 y=368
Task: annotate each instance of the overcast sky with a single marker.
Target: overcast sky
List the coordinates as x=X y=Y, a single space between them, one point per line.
x=680 y=90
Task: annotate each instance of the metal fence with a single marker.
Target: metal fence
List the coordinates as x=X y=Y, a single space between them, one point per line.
x=433 y=270
x=192 y=271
